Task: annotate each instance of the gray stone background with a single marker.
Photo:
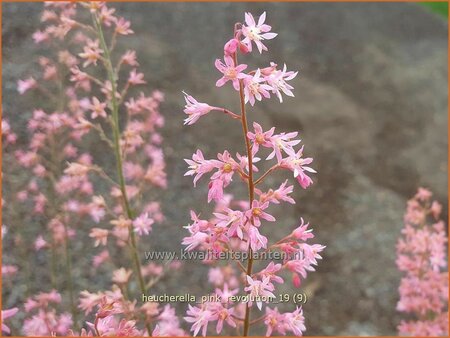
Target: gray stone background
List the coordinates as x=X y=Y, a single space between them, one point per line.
x=371 y=107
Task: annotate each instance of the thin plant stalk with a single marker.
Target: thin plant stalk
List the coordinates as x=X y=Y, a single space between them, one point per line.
x=251 y=187
x=118 y=156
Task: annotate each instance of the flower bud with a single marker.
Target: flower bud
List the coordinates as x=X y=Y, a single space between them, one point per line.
x=231 y=47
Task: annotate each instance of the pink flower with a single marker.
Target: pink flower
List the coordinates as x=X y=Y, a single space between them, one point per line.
x=198 y=166
x=298 y=165
x=232 y=45
x=80 y=78
x=88 y=301
x=230 y=72
x=295 y=321
x=40 y=36
x=255 y=88
x=233 y=220
x=136 y=78
x=108 y=307
x=215 y=192
x=423 y=194
x=300 y=266
x=283 y=142
x=25 y=85
x=100 y=236
x=302 y=233
x=271 y=271
x=106 y=15
x=256 y=213
x=99 y=259
x=256 y=241
x=274 y=322
x=226 y=293
x=311 y=252
x=76 y=169
x=256 y=32
x=98 y=108
x=195 y=109
x=276 y=196
x=9 y=270
x=200 y=317
x=121 y=276
x=39 y=243
x=143 y=224
x=259 y=288
x=260 y=138
x=129 y=58
x=123 y=27
x=91 y=52
x=97 y=208
x=277 y=81
x=197 y=238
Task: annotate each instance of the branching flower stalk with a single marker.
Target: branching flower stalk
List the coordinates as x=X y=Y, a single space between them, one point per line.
x=235 y=225
x=250 y=183
x=115 y=124
x=104 y=106
x=421 y=257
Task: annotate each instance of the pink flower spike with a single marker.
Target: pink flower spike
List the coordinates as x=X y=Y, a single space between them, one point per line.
x=255 y=88
x=195 y=109
x=256 y=32
x=230 y=72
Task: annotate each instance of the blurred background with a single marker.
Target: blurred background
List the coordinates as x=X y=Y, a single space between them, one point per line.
x=371 y=107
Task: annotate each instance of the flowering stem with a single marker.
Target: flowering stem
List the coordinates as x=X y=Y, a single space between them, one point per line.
x=118 y=155
x=233 y=115
x=254 y=321
x=69 y=272
x=268 y=172
x=53 y=265
x=251 y=187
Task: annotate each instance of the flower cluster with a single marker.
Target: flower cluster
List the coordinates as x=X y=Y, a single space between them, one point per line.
x=421 y=256
x=91 y=92
x=238 y=225
x=45 y=321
